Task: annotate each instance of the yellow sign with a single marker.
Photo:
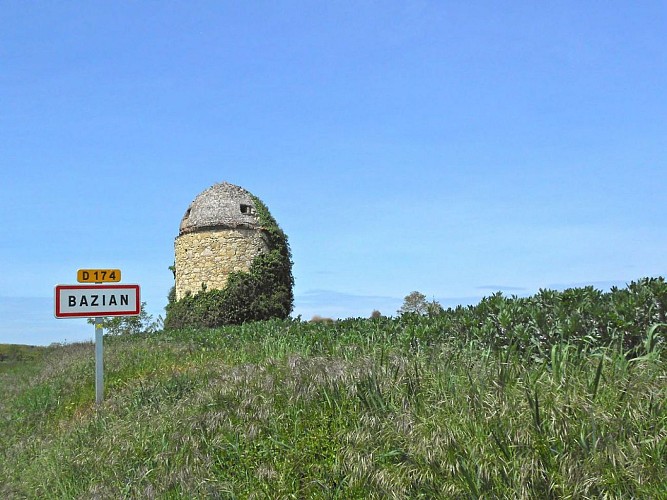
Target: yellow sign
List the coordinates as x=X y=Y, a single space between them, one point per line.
x=98 y=275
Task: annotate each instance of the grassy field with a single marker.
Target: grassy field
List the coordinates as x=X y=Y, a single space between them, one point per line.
x=383 y=408
x=10 y=353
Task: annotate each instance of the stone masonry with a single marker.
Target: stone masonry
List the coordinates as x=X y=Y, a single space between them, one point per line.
x=208 y=257
x=219 y=234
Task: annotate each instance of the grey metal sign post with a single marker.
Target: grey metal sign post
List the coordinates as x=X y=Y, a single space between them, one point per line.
x=99 y=360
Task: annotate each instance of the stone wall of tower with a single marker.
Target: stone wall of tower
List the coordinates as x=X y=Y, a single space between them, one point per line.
x=209 y=256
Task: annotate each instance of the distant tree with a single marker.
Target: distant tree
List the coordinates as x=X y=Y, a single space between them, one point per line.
x=416 y=303
x=319 y=319
x=434 y=308
x=376 y=314
x=124 y=325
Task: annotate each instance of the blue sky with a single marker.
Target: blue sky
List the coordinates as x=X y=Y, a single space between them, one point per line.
x=455 y=148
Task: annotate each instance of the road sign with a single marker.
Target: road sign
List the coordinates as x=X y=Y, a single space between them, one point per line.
x=98 y=275
x=90 y=301
x=97 y=301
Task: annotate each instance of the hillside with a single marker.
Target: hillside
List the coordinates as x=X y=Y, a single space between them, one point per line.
x=10 y=353
x=563 y=394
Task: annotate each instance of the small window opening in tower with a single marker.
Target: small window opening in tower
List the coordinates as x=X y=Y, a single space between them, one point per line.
x=247 y=209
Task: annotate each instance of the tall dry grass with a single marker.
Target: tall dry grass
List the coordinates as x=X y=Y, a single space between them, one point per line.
x=359 y=409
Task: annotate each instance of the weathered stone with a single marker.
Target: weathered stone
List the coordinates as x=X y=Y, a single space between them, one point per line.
x=219 y=233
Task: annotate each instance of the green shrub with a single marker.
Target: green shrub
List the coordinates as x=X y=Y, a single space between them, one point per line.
x=127 y=325
x=583 y=317
x=263 y=292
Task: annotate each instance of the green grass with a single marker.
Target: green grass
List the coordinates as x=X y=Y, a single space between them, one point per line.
x=18 y=352
x=388 y=408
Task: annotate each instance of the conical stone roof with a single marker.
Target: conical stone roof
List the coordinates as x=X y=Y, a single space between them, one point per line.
x=223 y=205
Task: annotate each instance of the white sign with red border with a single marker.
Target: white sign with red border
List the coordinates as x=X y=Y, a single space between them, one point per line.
x=90 y=301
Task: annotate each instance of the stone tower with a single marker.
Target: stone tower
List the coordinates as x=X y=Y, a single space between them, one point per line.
x=219 y=233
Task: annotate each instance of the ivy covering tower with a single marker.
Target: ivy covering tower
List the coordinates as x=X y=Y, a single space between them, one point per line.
x=232 y=262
